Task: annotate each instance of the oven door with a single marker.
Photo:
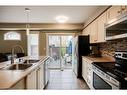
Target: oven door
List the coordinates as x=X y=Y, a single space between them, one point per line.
x=99 y=82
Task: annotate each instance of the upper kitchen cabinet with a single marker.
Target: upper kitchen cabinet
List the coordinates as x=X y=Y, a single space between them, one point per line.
x=101 y=30
x=123 y=9
x=86 y=31
x=91 y=30
x=94 y=31
x=116 y=11
x=113 y=12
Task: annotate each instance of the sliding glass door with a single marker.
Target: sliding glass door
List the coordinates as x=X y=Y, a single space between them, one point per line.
x=60 y=49
x=54 y=51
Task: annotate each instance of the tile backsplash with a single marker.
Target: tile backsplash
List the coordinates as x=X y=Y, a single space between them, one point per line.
x=108 y=48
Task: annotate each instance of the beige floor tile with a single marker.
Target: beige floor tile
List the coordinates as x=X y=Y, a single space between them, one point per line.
x=65 y=80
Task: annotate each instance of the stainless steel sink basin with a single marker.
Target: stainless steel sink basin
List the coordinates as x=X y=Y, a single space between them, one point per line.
x=31 y=61
x=18 y=67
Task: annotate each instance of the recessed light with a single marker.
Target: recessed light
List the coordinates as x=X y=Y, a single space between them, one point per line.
x=61 y=19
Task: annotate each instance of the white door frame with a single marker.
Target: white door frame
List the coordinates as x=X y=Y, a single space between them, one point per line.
x=56 y=34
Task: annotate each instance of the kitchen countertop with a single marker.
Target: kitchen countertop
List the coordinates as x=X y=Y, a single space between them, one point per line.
x=8 y=78
x=99 y=59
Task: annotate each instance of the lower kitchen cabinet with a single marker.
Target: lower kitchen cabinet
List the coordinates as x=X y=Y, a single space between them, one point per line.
x=28 y=82
x=31 y=80
x=20 y=85
x=84 y=70
x=87 y=71
x=40 y=77
x=37 y=79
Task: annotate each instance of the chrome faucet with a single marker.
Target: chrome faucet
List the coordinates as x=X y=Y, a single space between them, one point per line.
x=13 y=50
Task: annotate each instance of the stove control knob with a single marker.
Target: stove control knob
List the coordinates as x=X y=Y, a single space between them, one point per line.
x=115 y=55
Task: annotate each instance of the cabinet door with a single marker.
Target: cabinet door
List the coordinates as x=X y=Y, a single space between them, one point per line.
x=31 y=80
x=89 y=74
x=94 y=31
x=84 y=70
x=40 y=76
x=101 y=30
x=124 y=9
x=20 y=85
x=86 y=31
x=113 y=12
x=87 y=71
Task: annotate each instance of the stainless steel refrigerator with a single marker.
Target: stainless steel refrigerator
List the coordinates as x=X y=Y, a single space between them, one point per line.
x=80 y=47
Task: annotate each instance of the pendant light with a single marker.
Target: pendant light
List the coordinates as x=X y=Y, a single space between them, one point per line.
x=27 y=22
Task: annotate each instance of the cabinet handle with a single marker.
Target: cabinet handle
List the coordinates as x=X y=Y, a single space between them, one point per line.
x=38 y=68
x=126 y=8
x=119 y=11
x=123 y=9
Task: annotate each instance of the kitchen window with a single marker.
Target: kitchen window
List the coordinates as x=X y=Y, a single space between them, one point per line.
x=12 y=36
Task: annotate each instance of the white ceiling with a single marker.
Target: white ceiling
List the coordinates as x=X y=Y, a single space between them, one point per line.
x=46 y=14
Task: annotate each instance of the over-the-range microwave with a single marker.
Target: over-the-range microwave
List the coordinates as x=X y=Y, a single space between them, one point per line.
x=117 y=28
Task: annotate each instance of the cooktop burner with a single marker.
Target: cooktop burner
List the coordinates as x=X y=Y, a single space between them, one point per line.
x=111 y=69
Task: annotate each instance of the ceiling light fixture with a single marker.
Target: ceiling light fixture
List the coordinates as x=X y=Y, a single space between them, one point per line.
x=62 y=19
x=27 y=21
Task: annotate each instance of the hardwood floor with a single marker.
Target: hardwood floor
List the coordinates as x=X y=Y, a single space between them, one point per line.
x=65 y=80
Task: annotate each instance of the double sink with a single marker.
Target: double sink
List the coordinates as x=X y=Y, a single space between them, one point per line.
x=22 y=66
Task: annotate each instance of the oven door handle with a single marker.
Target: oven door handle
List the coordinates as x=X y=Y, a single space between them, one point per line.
x=109 y=81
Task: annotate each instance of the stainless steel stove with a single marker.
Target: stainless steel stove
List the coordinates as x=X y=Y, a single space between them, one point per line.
x=111 y=75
